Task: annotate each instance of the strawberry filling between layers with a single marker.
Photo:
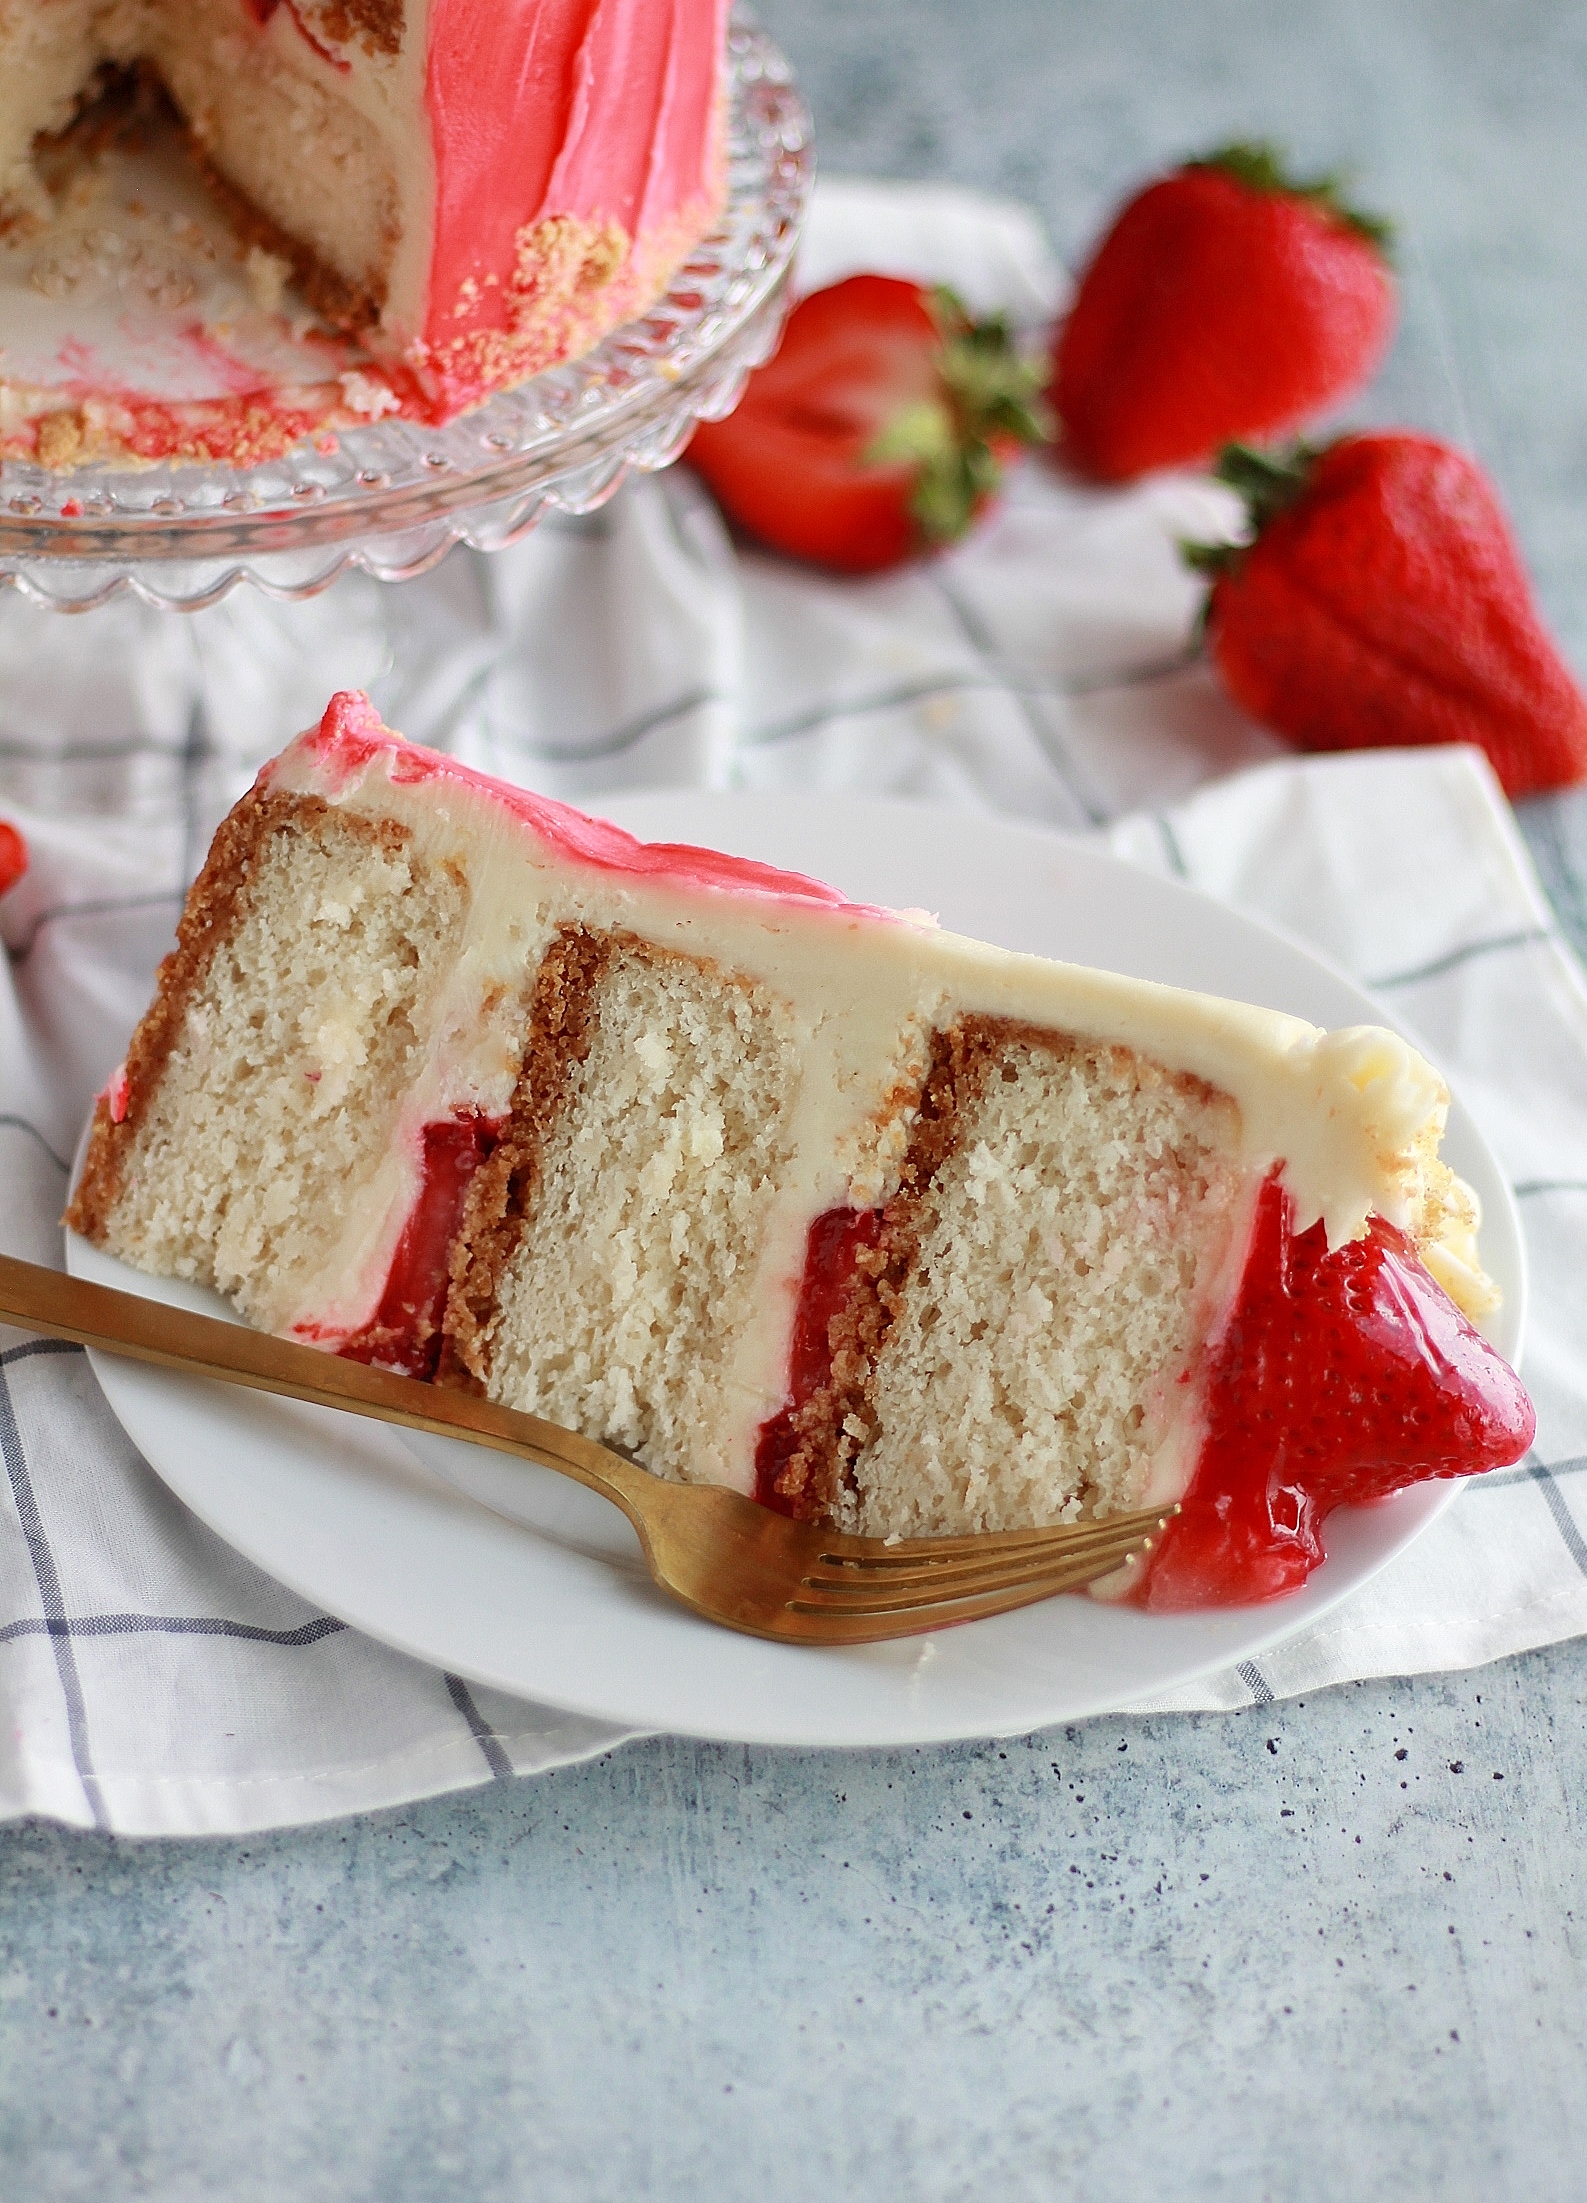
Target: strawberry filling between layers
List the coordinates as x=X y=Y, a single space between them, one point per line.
x=405 y=1331
x=1336 y=1379
x=832 y=1251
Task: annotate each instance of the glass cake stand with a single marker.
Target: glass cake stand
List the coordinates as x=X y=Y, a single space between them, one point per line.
x=393 y=498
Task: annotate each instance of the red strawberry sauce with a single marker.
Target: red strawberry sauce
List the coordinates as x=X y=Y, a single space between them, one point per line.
x=1336 y=1379
x=831 y=1251
x=262 y=10
x=405 y=1332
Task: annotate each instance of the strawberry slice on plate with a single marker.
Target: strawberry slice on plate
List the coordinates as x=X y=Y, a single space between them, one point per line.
x=1227 y=301
x=879 y=430
x=1381 y=602
x=1339 y=1377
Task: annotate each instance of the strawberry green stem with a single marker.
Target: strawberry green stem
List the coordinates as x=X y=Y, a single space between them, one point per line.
x=1260 y=167
x=1268 y=481
x=989 y=395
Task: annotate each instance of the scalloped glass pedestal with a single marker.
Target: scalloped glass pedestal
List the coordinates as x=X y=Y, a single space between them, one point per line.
x=394 y=498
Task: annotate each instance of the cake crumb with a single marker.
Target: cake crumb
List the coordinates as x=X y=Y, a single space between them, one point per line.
x=268 y=275
x=60 y=437
x=363 y=394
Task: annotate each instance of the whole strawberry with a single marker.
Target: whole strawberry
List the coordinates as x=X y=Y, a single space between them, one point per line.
x=1227 y=301
x=1382 y=602
x=879 y=430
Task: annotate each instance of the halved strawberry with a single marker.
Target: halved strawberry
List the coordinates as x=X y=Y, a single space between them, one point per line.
x=879 y=429
x=1228 y=300
x=13 y=856
x=1382 y=602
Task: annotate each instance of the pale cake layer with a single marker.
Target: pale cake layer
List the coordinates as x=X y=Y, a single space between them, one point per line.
x=48 y=56
x=1074 y=1250
x=320 y=154
x=633 y=1282
x=254 y=1159
x=323 y=163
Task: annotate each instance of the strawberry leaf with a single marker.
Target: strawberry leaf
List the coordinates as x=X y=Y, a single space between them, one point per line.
x=1268 y=481
x=995 y=389
x=990 y=395
x=1260 y=167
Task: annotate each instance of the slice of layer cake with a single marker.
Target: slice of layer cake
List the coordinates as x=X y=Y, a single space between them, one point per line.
x=777 y=1190
x=482 y=187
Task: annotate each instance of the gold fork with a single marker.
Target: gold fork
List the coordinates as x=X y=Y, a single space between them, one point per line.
x=730 y=1559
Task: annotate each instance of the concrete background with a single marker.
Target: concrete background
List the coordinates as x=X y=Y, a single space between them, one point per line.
x=1324 y=1948
x=1260 y=1955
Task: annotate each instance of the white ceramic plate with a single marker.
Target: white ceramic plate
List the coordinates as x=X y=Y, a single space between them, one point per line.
x=545 y=1594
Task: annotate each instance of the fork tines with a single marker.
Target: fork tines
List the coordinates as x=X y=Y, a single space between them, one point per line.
x=929 y=1572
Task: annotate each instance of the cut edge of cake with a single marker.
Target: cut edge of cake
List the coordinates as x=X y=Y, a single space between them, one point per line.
x=762 y=1186
x=339 y=138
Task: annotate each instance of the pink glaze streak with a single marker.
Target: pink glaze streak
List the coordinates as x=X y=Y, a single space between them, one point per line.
x=252 y=420
x=351 y=738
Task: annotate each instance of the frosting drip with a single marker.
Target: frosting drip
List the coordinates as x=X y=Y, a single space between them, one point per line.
x=351 y=738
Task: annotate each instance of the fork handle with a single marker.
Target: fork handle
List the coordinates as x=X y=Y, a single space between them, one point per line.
x=143 y=1330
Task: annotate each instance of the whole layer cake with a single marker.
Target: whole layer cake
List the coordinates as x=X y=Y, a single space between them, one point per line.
x=481 y=187
x=777 y=1190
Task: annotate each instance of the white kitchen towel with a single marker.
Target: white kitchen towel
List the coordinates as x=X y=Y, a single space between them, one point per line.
x=151 y=1680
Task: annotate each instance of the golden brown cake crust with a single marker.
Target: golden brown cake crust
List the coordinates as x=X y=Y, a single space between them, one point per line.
x=377 y=25
x=504 y=1191
x=213 y=910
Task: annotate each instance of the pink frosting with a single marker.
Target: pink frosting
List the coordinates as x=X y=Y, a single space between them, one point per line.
x=352 y=736
x=608 y=106
x=639 y=157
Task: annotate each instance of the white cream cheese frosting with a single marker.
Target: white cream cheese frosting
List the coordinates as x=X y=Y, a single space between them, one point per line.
x=1351 y=1117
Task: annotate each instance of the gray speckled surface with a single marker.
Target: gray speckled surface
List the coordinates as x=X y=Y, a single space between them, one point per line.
x=1259 y=1955
x=1324 y=1948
